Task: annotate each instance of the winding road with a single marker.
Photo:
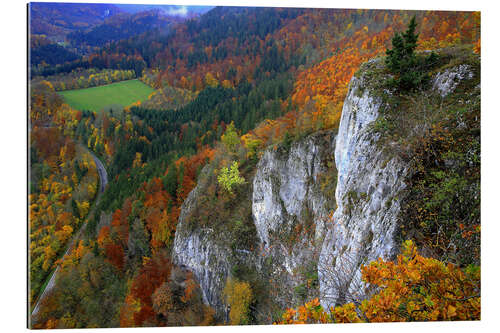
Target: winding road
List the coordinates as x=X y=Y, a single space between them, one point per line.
x=103 y=180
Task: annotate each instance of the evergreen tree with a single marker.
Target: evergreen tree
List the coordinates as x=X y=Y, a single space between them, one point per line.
x=403 y=62
x=170 y=180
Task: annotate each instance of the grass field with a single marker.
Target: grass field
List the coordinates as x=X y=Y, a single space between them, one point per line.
x=96 y=98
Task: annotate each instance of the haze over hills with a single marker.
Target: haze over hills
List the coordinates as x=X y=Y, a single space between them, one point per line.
x=56 y=20
x=82 y=29
x=173 y=10
x=122 y=26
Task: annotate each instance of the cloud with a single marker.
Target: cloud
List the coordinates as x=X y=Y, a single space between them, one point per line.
x=177 y=11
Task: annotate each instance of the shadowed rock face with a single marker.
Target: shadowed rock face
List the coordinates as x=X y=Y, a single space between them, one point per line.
x=288 y=201
x=198 y=251
x=207 y=261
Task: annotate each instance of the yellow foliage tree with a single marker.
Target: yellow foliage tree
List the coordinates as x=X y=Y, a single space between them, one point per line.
x=227 y=84
x=83 y=208
x=64 y=233
x=49 y=254
x=229 y=177
x=137 y=163
x=251 y=144
x=92 y=188
x=210 y=80
x=230 y=137
x=238 y=296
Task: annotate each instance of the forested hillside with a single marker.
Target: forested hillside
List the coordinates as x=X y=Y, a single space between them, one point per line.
x=120 y=26
x=55 y=20
x=63 y=32
x=230 y=185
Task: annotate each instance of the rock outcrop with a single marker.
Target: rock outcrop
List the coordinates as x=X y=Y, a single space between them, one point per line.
x=197 y=250
x=322 y=206
x=291 y=204
x=370 y=189
x=446 y=81
x=292 y=198
x=367 y=195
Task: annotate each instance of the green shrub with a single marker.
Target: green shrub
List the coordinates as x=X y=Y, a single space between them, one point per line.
x=230 y=177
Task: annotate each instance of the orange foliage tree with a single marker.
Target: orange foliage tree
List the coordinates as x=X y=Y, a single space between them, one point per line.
x=413 y=288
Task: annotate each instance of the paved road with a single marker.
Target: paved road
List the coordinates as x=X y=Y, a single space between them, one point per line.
x=103 y=175
x=103 y=179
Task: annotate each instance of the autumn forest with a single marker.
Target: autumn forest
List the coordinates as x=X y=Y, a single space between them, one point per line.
x=147 y=213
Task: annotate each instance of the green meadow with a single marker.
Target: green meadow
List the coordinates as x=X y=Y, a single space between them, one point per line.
x=121 y=93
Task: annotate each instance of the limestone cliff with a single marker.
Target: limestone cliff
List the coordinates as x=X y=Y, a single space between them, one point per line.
x=292 y=196
x=371 y=183
x=319 y=207
x=367 y=195
x=291 y=202
x=197 y=250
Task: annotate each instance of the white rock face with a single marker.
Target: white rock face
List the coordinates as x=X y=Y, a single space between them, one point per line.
x=286 y=184
x=357 y=113
x=367 y=191
x=445 y=82
x=197 y=250
x=286 y=195
x=207 y=261
x=287 y=192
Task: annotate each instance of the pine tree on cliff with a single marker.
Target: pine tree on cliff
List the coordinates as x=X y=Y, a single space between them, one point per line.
x=403 y=62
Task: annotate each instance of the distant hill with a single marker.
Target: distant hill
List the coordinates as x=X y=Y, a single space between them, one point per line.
x=84 y=28
x=56 y=20
x=43 y=51
x=122 y=26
